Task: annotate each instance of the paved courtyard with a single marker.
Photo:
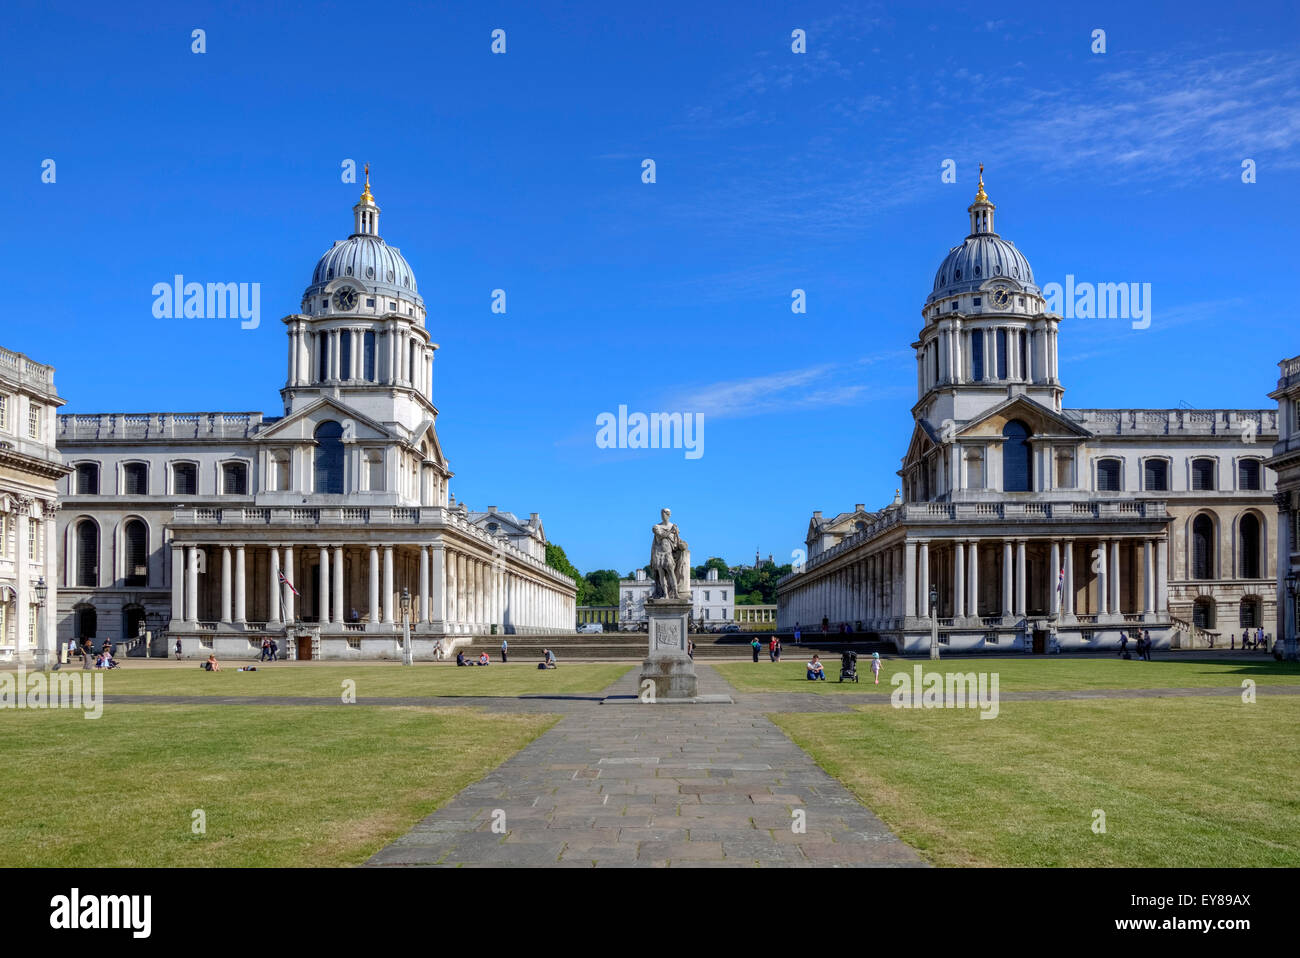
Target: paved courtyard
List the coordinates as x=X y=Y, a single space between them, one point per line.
x=629 y=784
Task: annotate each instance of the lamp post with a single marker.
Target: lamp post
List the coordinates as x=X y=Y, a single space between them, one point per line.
x=1289 y=619
x=934 y=622
x=407 y=657
x=42 y=648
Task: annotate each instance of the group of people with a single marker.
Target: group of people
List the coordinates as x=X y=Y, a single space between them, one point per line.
x=1247 y=641
x=817 y=671
x=1143 y=645
x=462 y=659
x=270 y=649
x=103 y=659
x=773 y=648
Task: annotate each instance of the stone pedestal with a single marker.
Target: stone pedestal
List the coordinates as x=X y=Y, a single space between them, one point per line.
x=669 y=666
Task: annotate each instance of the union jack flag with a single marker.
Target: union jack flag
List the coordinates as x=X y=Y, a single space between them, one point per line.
x=1060 y=581
x=284 y=579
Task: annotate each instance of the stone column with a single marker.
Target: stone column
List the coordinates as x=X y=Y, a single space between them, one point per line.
x=1148 y=580
x=1069 y=578
x=1007 y=573
x=958 y=579
x=1055 y=579
x=973 y=602
x=388 y=585
x=241 y=572
x=323 y=586
x=1113 y=570
x=286 y=594
x=178 y=583
x=924 y=597
x=909 y=579
x=226 y=594
x=1162 y=575
x=374 y=585
x=422 y=614
x=1103 y=579
x=273 y=596
x=192 y=584
x=1021 y=575
x=340 y=613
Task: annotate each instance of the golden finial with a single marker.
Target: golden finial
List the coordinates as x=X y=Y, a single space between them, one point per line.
x=981 y=196
x=365 y=194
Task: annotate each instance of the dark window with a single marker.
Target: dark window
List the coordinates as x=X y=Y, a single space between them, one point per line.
x=88 y=479
x=1250 y=613
x=977 y=355
x=1203 y=474
x=368 y=357
x=1202 y=548
x=1002 y=354
x=135 y=479
x=185 y=479
x=1249 y=547
x=1017 y=470
x=136 y=538
x=1203 y=614
x=934 y=354
x=1108 y=475
x=1250 y=474
x=1155 y=475
x=345 y=355
x=87 y=621
x=977 y=301
x=410 y=366
x=329 y=458
x=87 y=553
x=234 y=479
x=322 y=357
x=1024 y=355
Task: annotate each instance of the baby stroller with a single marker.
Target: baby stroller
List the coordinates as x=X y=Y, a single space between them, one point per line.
x=849 y=666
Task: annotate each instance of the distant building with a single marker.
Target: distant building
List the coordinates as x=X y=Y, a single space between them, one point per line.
x=713 y=599
x=1286 y=463
x=30 y=469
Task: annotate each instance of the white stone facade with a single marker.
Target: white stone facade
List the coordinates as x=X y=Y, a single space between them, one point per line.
x=1285 y=461
x=713 y=600
x=185 y=522
x=30 y=469
x=1034 y=523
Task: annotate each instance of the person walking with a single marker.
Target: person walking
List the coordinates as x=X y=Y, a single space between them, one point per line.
x=777 y=640
x=87 y=655
x=690 y=649
x=1123 y=644
x=505 y=651
x=875 y=666
x=1259 y=637
x=771 y=648
x=754 y=645
x=1146 y=643
x=797 y=633
x=266 y=648
x=178 y=650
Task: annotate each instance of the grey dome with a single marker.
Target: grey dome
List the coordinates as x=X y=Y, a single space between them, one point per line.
x=981 y=257
x=371 y=262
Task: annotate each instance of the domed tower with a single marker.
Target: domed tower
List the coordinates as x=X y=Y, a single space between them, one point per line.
x=360 y=338
x=987 y=334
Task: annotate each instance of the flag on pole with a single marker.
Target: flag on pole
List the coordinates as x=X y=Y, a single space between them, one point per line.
x=1060 y=580
x=285 y=580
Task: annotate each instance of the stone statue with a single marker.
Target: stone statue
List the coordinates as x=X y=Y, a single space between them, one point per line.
x=670 y=561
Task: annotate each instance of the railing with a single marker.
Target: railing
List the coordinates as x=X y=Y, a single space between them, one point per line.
x=355 y=514
x=159 y=425
x=306 y=515
x=257 y=515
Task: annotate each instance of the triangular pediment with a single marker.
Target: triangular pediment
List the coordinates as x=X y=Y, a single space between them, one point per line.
x=302 y=424
x=1041 y=421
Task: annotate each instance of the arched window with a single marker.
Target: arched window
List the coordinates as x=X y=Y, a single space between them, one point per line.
x=1203 y=614
x=1108 y=475
x=87 y=622
x=1203 y=475
x=185 y=479
x=1155 y=475
x=88 y=479
x=1250 y=617
x=1017 y=469
x=1249 y=474
x=329 y=458
x=135 y=542
x=1202 y=547
x=1249 y=546
x=87 y=553
x=135 y=479
x=234 y=479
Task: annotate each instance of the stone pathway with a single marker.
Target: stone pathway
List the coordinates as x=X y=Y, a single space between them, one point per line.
x=629 y=784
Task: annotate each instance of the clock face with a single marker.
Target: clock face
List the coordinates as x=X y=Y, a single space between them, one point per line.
x=345 y=298
x=1001 y=297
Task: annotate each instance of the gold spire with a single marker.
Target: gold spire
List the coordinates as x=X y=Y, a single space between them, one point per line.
x=980 y=197
x=367 y=198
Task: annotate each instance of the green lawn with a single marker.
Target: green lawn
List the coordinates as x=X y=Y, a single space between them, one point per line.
x=280 y=785
x=372 y=680
x=1183 y=782
x=1017 y=674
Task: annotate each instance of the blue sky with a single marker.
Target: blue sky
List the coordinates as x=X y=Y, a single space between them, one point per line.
x=775 y=171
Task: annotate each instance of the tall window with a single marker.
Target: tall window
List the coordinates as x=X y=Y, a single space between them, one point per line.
x=1017 y=469
x=322 y=357
x=33 y=553
x=1108 y=475
x=345 y=354
x=185 y=479
x=135 y=538
x=4 y=411
x=375 y=471
x=368 y=357
x=329 y=458
x=1202 y=548
x=975 y=471
x=1024 y=355
x=1203 y=475
x=135 y=479
x=280 y=473
x=977 y=355
x=1249 y=469
x=1155 y=475
x=234 y=479
x=88 y=479
x=87 y=553
x=1249 y=547
x=1002 y=354
x=410 y=366
x=34 y=420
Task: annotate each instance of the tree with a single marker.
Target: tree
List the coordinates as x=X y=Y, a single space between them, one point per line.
x=602 y=587
x=557 y=560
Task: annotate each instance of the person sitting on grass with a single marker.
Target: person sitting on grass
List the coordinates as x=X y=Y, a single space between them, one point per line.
x=212 y=665
x=460 y=657
x=815 y=670
x=548 y=660
x=483 y=659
